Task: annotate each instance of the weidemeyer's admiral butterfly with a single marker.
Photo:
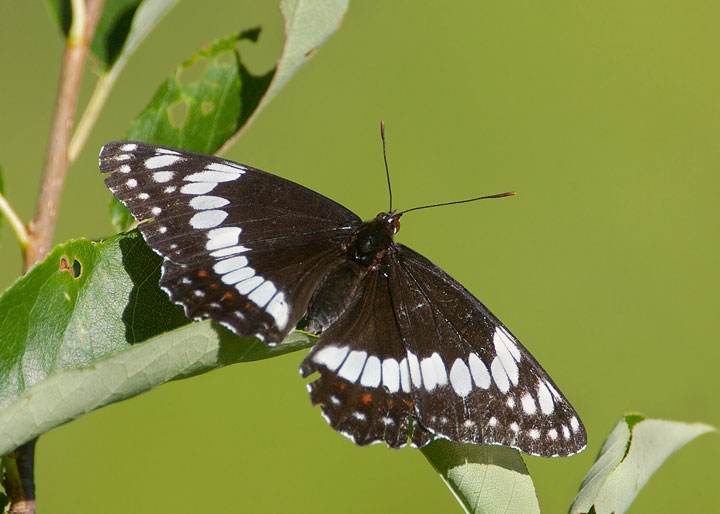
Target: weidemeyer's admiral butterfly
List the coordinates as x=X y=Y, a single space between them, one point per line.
x=405 y=352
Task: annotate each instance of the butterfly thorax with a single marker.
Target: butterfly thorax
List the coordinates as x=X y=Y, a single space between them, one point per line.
x=373 y=239
x=370 y=243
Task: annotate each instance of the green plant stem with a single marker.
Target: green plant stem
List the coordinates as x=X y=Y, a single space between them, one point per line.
x=91 y=113
x=21 y=486
x=14 y=221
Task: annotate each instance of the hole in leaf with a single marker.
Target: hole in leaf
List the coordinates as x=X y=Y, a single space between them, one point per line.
x=193 y=72
x=226 y=58
x=178 y=113
x=75 y=268
x=207 y=107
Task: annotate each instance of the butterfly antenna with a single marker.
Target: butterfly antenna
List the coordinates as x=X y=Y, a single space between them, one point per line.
x=501 y=195
x=387 y=172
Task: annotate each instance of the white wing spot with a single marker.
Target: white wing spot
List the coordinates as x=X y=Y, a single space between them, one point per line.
x=201 y=203
x=498 y=373
x=510 y=402
x=170 y=189
x=469 y=423
x=129 y=147
x=335 y=400
x=212 y=176
x=162 y=229
x=552 y=434
x=199 y=293
x=547 y=405
x=263 y=294
x=279 y=310
x=222 y=237
x=163 y=176
x=208 y=219
x=331 y=356
x=415 y=374
x=574 y=424
x=479 y=371
x=238 y=275
x=161 y=161
x=227 y=265
x=353 y=365
x=493 y=421
x=460 y=378
x=534 y=433
x=359 y=416
x=143 y=196
x=371 y=374
x=405 y=375
x=387 y=421
x=391 y=375
x=249 y=284
x=156 y=210
x=123 y=157
x=514 y=427
x=198 y=188
x=131 y=182
x=227 y=168
x=232 y=250
x=528 y=404
x=125 y=168
x=503 y=350
x=566 y=432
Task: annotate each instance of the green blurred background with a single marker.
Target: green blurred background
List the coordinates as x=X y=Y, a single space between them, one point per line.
x=604 y=116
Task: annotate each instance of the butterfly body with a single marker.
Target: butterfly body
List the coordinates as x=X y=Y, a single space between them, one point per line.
x=405 y=353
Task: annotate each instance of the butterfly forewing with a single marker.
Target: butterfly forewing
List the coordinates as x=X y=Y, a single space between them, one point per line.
x=241 y=246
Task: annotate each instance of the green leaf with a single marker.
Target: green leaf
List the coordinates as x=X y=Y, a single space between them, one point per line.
x=70 y=393
x=121 y=27
x=212 y=97
x=204 y=102
x=68 y=334
x=83 y=302
x=484 y=479
x=630 y=455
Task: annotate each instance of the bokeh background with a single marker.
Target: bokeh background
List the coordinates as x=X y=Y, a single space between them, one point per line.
x=604 y=116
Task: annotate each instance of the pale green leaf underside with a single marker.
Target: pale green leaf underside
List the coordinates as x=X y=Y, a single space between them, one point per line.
x=484 y=479
x=630 y=455
x=70 y=393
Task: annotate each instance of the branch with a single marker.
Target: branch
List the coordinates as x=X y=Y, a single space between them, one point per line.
x=42 y=227
x=21 y=485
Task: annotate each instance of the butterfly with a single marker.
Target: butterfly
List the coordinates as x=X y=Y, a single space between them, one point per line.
x=405 y=354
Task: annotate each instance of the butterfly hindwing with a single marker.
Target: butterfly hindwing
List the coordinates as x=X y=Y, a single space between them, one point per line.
x=241 y=246
x=472 y=379
x=362 y=389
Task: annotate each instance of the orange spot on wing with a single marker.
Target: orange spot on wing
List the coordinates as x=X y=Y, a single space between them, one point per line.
x=202 y=273
x=227 y=296
x=366 y=399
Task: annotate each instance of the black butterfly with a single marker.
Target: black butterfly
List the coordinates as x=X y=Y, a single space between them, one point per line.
x=406 y=353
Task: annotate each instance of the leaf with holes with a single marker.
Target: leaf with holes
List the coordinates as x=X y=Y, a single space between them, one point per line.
x=484 y=479
x=630 y=455
x=84 y=301
x=68 y=330
x=212 y=97
x=205 y=101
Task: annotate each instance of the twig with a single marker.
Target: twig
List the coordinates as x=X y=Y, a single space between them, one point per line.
x=21 y=486
x=14 y=221
x=91 y=113
x=42 y=227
